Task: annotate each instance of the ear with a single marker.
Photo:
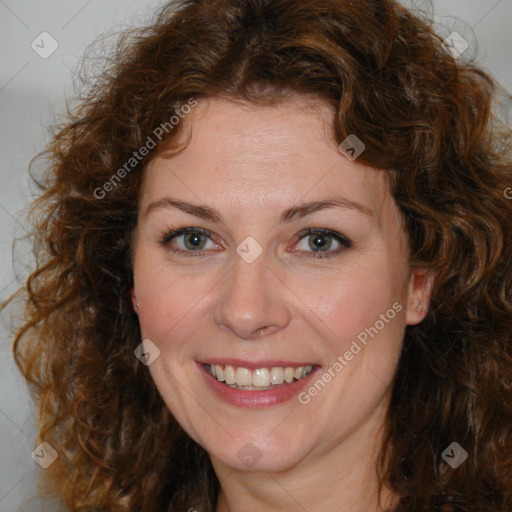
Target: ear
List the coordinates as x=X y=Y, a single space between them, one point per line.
x=421 y=283
x=134 y=301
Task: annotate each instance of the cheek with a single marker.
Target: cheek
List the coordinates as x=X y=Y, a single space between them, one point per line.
x=167 y=299
x=351 y=300
x=337 y=302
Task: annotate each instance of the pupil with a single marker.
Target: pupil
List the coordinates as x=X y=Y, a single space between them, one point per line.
x=193 y=240
x=320 y=241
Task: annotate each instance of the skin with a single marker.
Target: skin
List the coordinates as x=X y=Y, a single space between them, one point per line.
x=250 y=163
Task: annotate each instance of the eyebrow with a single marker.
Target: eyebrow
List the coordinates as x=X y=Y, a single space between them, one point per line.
x=295 y=212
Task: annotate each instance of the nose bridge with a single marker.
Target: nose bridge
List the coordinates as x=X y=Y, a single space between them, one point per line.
x=251 y=300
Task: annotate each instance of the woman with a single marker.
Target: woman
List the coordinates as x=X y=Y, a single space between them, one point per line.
x=274 y=270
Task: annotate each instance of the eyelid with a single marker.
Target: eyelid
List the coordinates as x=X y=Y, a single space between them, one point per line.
x=344 y=241
x=167 y=236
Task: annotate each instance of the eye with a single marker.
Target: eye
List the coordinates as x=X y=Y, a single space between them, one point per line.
x=321 y=242
x=188 y=241
x=315 y=242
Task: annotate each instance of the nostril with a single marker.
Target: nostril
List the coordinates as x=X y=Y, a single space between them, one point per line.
x=263 y=331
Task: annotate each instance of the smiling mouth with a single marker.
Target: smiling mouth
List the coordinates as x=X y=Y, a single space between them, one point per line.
x=259 y=379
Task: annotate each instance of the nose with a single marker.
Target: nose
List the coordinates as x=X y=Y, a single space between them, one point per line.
x=252 y=301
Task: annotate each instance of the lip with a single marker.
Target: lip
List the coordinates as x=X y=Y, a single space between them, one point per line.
x=255 y=399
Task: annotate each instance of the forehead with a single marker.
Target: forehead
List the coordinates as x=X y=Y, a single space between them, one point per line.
x=249 y=155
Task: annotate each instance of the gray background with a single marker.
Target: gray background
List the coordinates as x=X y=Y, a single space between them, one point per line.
x=32 y=92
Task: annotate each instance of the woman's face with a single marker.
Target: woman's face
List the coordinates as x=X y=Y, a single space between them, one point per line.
x=250 y=292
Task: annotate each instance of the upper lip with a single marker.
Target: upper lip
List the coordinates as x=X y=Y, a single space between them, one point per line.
x=263 y=363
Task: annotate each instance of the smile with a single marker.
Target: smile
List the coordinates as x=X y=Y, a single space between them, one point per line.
x=258 y=379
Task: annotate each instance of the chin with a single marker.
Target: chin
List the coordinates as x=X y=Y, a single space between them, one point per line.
x=253 y=454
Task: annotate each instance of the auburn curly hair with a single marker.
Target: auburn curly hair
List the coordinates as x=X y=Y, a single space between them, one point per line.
x=425 y=118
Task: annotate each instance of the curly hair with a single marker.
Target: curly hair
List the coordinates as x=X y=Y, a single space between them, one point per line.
x=425 y=118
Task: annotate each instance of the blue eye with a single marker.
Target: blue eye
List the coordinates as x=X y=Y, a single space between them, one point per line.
x=318 y=242
x=321 y=241
x=193 y=240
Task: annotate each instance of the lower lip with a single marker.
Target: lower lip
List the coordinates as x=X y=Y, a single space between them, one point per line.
x=256 y=399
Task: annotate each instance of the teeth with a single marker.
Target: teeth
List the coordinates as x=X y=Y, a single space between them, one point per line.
x=277 y=376
x=289 y=374
x=229 y=374
x=258 y=378
x=243 y=377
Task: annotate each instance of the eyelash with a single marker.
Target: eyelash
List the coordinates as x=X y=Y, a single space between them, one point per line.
x=345 y=243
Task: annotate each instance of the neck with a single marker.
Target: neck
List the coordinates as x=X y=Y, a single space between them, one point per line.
x=341 y=477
